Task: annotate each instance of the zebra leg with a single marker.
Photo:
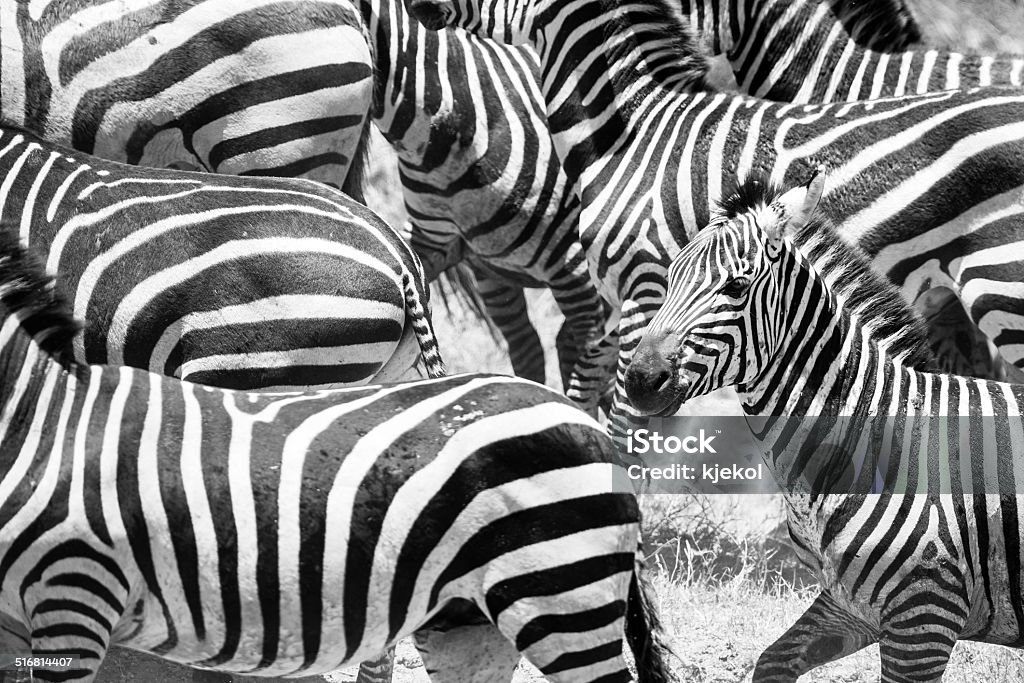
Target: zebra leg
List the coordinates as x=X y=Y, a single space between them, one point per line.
x=958 y=345
x=585 y=316
x=377 y=670
x=591 y=378
x=505 y=304
x=14 y=641
x=83 y=637
x=467 y=654
x=923 y=616
x=824 y=633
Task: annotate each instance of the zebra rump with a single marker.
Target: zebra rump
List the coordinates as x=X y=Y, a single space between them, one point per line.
x=231 y=281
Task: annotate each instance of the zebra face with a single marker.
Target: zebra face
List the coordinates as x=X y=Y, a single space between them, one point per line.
x=505 y=21
x=720 y=288
x=724 y=311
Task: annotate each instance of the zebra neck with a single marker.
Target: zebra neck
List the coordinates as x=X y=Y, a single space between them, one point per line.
x=422 y=100
x=397 y=48
x=822 y=361
x=794 y=52
x=719 y=23
x=595 y=79
x=801 y=52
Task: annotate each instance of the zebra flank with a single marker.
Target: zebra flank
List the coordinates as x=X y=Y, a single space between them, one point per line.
x=230 y=281
x=480 y=177
x=933 y=559
x=842 y=50
x=310 y=530
x=243 y=87
x=927 y=185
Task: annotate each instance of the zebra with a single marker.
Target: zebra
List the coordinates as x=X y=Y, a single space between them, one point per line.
x=242 y=87
x=929 y=185
x=311 y=528
x=287 y=89
x=816 y=52
x=839 y=50
x=914 y=567
x=480 y=177
x=239 y=282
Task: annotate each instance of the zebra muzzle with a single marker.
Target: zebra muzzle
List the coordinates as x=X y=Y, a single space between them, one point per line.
x=651 y=378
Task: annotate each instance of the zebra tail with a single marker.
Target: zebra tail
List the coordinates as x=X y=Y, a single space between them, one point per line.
x=422 y=327
x=457 y=283
x=645 y=632
x=358 y=170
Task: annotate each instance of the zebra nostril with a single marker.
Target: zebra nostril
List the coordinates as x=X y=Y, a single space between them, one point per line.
x=643 y=381
x=660 y=379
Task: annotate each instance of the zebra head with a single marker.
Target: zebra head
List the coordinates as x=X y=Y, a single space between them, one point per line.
x=724 y=311
x=504 y=21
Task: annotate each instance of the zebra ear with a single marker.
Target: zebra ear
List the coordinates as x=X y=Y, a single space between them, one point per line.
x=796 y=206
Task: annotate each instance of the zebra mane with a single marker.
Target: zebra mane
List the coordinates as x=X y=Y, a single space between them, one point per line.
x=861 y=290
x=882 y=25
x=664 y=33
x=27 y=292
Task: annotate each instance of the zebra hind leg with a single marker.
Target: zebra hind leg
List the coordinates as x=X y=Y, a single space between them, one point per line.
x=377 y=670
x=505 y=304
x=824 y=633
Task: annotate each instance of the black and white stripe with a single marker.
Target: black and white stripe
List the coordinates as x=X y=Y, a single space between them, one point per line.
x=825 y=356
x=248 y=87
x=838 y=50
x=927 y=185
x=230 y=281
x=481 y=179
x=310 y=529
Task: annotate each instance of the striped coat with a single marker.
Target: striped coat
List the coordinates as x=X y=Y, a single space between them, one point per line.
x=902 y=486
x=248 y=87
x=231 y=281
x=309 y=529
x=928 y=185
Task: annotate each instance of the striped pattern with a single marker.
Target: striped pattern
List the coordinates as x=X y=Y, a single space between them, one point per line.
x=929 y=561
x=842 y=50
x=235 y=282
x=249 y=87
x=929 y=186
x=480 y=177
x=310 y=529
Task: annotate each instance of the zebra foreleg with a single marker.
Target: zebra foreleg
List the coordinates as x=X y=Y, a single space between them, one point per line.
x=922 y=620
x=467 y=654
x=585 y=315
x=591 y=375
x=824 y=633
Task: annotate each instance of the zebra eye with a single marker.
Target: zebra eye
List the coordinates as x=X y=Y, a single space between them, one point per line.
x=736 y=286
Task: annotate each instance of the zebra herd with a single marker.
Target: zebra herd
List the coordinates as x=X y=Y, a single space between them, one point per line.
x=192 y=465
